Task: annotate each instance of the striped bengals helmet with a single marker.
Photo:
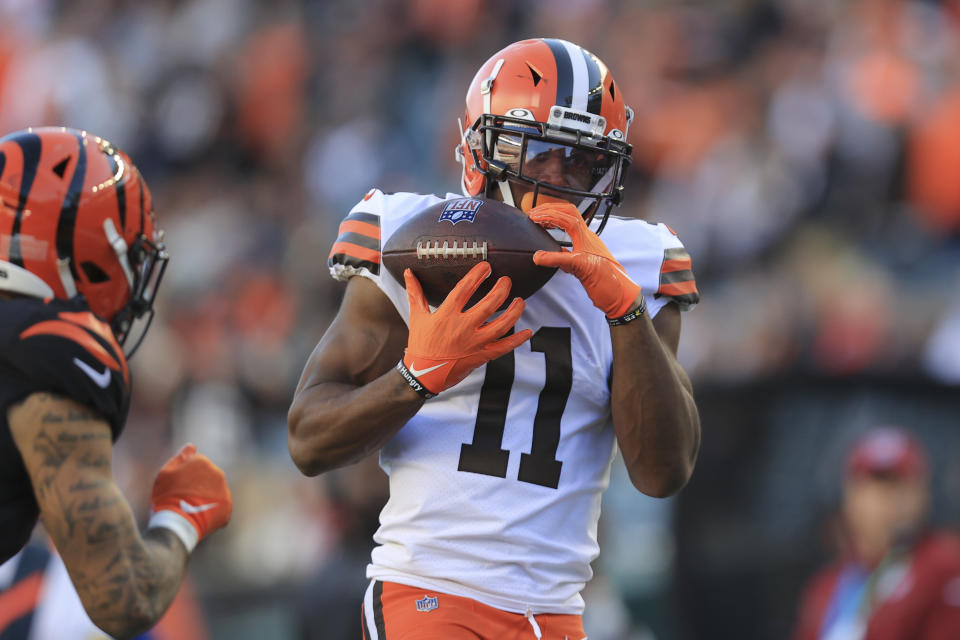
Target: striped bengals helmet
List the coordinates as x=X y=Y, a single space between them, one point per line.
x=545 y=121
x=76 y=218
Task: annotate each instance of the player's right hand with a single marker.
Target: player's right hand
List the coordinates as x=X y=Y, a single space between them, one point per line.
x=446 y=345
x=602 y=276
x=191 y=497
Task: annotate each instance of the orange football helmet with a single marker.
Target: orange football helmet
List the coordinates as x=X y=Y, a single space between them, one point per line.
x=546 y=121
x=76 y=218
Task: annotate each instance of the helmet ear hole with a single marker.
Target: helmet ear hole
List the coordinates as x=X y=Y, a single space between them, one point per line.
x=94 y=273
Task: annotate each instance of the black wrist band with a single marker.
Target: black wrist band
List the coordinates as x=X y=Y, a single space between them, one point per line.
x=629 y=316
x=415 y=384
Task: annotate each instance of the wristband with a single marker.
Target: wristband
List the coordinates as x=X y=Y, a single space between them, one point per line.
x=415 y=384
x=630 y=316
x=180 y=526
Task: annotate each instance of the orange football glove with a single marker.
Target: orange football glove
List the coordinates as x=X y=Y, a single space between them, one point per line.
x=190 y=497
x=446 y=345
x=608 y=285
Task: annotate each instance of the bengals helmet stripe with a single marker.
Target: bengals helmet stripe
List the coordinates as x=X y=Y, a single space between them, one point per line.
x=63 y=196
x=68 y=212
x=120 y=187
x=30 y=148
x=140 y=186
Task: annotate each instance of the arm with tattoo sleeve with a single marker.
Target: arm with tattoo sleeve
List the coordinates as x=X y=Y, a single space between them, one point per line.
x=125 y=579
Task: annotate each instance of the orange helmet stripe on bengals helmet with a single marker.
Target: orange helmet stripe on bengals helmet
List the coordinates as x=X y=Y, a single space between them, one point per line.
x=76 y=218
x=528 y=79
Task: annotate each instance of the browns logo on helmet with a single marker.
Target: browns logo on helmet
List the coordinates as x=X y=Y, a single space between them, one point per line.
x=544 y=121
x=76 y=218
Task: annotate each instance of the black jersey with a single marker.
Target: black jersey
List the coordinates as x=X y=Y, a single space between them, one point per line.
x=59 y=347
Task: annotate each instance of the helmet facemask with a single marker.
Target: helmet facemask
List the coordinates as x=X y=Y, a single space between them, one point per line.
x=148 y=259
x=545 y=121
x=567 y=158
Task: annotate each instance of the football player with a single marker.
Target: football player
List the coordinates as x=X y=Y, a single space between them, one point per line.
x=498 y=434
x=80 y=261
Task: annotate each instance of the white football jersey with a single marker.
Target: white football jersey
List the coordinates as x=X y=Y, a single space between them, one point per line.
x=495 y=484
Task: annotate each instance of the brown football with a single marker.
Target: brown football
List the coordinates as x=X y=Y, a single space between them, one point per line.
x=442 y=242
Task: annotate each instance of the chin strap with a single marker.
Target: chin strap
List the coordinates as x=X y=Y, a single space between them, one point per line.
x=486 y=90
x=120 y=248
x=506 y=193
x=66 y=278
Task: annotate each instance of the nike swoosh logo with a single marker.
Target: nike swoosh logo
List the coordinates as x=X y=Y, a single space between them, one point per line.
x=419 y=372
x=200 y=508
x=101 y=379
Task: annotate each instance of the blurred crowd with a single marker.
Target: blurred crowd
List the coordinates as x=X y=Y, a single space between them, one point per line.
x=806 y=151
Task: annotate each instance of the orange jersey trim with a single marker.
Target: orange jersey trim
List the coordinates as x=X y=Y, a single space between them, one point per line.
x=72 y=332
x=356 y=251
x=680 y=264
x=678 y=289
x=356 y=226
x=19 y=600
x=88 y=321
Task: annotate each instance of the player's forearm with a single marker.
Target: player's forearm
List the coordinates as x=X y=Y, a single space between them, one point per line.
x=332 y=424
x=125 y=581
x=654 y=414
x=130 y=593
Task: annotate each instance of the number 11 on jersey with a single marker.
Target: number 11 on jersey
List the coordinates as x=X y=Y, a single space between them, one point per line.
x=540 y=466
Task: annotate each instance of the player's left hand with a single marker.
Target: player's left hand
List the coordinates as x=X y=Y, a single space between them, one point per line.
x=608 y=285
x=191 y=497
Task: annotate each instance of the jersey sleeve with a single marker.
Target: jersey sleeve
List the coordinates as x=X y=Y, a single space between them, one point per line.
x=676 y=281
x=73 y=354
x=364 y=232
x=654 y=257
x=356 y=251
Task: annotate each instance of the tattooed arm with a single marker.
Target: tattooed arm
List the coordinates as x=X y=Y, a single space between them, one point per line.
x=125 y=579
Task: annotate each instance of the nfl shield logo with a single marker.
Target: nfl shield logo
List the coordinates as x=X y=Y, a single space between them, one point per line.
x=464 y=209
x=428 y=603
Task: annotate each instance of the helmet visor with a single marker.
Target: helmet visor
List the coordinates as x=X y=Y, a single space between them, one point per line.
x=556 y=164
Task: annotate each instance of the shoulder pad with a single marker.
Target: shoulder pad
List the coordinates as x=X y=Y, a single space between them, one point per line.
x=63 y=348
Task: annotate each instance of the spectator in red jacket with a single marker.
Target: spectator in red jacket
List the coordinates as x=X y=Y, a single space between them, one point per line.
x=899 y=580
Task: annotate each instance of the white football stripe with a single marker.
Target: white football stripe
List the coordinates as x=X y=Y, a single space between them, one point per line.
x=368 y=613
x=580 y=76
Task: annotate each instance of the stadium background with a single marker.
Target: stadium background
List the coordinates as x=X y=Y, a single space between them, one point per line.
x=806 y=151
